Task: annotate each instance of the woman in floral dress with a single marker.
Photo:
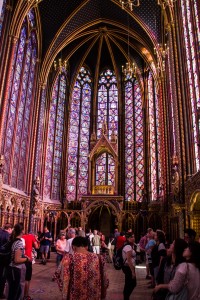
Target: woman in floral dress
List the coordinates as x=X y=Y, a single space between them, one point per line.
x=81 y=276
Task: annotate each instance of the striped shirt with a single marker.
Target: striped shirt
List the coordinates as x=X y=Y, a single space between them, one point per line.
x=17 y=244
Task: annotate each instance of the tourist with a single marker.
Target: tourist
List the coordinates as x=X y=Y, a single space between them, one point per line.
x=120 y=240
x=81 y=276
x=178 y=275
x=116 y=233
x=149 y=246
x=30 y=243
x=89 y=236
x=71 y=236
x=81 y=232
x=96 y=242
x=142 y=243
x=61 y=246
x=158 y=252
x=189 y=235
x=4 y=237
x=111 y=247
x=45 y=243
x=17 y=268
x=129 y=258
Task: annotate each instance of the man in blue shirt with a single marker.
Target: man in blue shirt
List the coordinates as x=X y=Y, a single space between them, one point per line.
x=45 y=243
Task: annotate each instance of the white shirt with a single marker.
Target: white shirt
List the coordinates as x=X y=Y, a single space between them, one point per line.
x=126 y=249
x=69 y=246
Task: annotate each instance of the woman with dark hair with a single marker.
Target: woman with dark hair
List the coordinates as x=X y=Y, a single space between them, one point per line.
x=17 y=268
x=81 y=275
x=181 y=272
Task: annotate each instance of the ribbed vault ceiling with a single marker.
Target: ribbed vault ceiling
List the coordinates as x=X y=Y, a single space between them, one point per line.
x=79 y=29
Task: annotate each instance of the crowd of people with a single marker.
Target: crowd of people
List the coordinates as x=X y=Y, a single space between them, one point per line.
x=172 y=268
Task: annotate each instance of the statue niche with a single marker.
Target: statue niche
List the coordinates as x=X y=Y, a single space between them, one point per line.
x=103 y=165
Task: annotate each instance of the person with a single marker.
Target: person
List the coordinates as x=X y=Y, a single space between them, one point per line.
x=82 y=276
x=120 y=240
x=45 y=242
x=129 y=257
x=142 y=243
x=61 y=245
x=81 y=232
x=4 y=237
x=17 y=268
x=158 y=252
x=71 y=236
x=96 y=242
x=89 y=236
x=111 y=247
x=30 y=243
x=179 y=268
x=189 y=235
x=149 y=246
x=116 y=233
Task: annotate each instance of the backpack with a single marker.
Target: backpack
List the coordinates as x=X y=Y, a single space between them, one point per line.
x=118 y=261
x=5 y=253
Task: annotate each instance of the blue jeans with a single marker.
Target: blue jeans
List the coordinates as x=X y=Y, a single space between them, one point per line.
x=58 y=259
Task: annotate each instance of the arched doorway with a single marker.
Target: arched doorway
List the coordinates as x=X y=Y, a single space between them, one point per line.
x=101 y=219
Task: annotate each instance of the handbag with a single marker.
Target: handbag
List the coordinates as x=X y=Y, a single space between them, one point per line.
x=183 y=294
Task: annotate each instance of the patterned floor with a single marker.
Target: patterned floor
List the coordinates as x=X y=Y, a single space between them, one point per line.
x=42 y=288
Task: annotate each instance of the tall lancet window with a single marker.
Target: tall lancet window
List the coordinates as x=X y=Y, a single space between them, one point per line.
x=154 y=138
x=2 y=13
x=134 y=141
x=78 y=137
x=107 y=108
x=54 y=151
x=18 y=121
x=191 y=32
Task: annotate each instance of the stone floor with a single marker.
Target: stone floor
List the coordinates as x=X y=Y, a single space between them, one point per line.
x=42 y=288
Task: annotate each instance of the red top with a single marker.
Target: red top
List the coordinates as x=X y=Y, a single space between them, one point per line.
x=29 y=243
x=120 y=241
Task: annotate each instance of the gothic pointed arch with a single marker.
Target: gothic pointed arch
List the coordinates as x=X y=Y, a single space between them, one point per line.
x=20 y=105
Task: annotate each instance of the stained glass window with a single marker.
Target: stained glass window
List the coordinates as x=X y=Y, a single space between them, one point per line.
x=191 y=33
x=55 y=139
x=78 y=145
x=2 y=13
x=107 y=109
x=18 y=113
x=105 y=170
x=22 y=134
x=134 y=141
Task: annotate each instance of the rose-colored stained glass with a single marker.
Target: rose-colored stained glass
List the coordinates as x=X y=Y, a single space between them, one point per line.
x=107 y=107
x=52 y=182
x=134 y=142
x=191 y=32
x=78 y=140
